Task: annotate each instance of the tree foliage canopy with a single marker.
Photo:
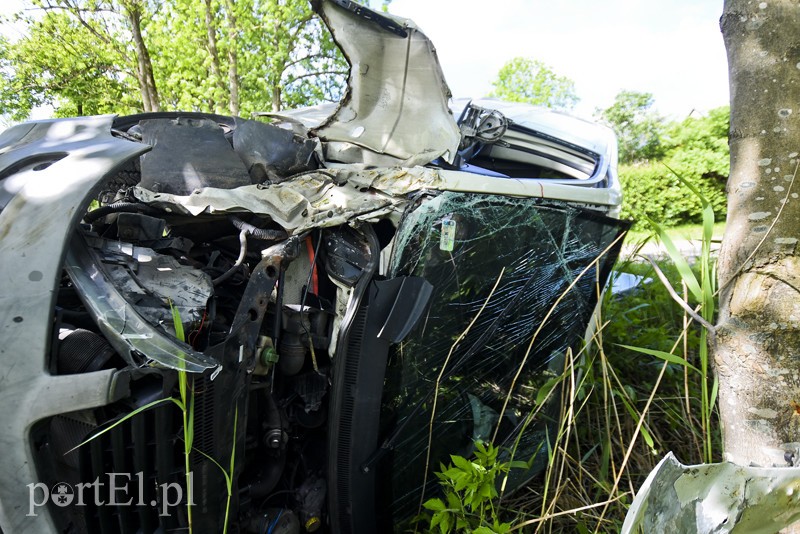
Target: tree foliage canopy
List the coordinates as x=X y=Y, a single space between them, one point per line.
x=531 y=81
x=696 y=149
x=638 y=127
x=97 y=56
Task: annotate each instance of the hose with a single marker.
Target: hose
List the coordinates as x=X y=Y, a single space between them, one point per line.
x=242 y=253
x=258 y=233
x=117 y=207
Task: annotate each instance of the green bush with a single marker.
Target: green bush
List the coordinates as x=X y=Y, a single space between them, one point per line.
x=652 y=190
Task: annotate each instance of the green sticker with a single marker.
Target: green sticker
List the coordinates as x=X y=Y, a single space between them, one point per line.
x=448 y=239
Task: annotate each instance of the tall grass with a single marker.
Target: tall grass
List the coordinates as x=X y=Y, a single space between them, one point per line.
x=185 y=404
x=641 y=387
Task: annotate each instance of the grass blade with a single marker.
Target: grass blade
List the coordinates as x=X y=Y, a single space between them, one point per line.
x=666 y=356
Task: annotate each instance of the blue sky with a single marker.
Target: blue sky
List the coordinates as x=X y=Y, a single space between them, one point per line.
x=672 y=49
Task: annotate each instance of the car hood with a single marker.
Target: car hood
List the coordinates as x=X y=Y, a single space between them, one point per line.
x=395 y=86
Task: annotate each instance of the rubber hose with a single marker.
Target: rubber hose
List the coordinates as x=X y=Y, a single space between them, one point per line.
x=258 y=233
x=116 y=207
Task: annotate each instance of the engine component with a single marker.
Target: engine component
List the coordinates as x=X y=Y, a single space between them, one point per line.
x=292 y=354
x=139 y=227
x=188 y=154
x=312 y=494
x=153 y=282
x=272 y=153
x=276 y=521
x=81 y=351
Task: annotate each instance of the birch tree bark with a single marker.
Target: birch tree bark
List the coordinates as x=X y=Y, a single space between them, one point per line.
x=758 y=332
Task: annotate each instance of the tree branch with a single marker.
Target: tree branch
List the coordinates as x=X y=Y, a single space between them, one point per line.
x=320 y=73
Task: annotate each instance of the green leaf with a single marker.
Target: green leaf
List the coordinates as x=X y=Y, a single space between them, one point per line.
x=666 y=356
x=435 y=505
x=446 y=523
x=714 y=391
x=463 y=464
x=546 y=388
x=680 y=262
x=128 y=416
x=635 y=416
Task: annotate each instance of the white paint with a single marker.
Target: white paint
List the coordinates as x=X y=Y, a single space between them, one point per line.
x=778 y=188
x=765 y=161
x=759 y=215
x=759 y=198
x=795 y=195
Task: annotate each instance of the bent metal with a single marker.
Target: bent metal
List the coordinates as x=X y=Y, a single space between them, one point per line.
x=62 y=494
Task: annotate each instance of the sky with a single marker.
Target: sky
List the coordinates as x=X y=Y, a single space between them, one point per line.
x=670 y=48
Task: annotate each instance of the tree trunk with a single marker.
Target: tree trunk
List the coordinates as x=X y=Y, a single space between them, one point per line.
x=758 y=333
x=144 y=68
x=216 y=71
x=233 y=60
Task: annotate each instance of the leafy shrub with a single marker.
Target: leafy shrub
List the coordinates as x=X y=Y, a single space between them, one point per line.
x=652 y=190
x=470 y=494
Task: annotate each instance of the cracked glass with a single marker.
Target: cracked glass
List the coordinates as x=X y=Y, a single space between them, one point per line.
x=516 y=283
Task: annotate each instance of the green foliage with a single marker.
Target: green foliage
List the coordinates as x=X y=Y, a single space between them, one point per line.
x=59 y=63
x=638 y=127
x=695 y=148
x=652 y=191
x=699 y=145
x=470 y=494
x=236 y=56
x=531 y=81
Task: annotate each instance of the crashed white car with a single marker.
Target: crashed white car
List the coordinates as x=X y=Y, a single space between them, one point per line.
x=349 y=295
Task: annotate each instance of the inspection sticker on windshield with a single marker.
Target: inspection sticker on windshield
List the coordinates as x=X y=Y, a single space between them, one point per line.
x=448 y=239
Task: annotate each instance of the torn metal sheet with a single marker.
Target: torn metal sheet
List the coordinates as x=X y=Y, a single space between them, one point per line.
x=272 y=153
x=395 y=110
x=153 y=283
x=315 y=200
x=715 y=498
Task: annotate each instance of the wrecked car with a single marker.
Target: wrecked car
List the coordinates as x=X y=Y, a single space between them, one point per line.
x=289 y=322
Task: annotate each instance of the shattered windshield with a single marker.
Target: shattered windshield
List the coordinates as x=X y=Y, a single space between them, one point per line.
x=516 y=281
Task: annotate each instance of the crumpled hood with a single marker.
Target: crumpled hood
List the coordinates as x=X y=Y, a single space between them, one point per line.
x=395 y=110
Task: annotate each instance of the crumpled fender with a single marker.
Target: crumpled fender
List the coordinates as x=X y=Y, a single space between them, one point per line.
x=48 y=173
